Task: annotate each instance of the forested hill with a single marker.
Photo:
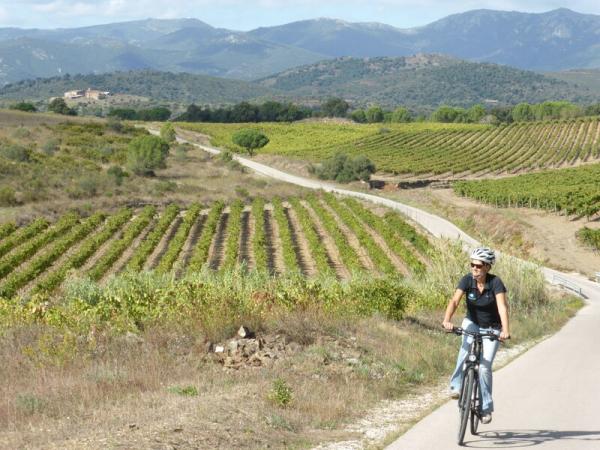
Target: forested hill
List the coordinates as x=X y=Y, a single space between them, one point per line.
x=424 y=80
x=166 y=86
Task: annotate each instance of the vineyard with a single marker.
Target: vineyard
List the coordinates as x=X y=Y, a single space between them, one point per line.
x=574 y=191
x=313 y=235
x=429 y=148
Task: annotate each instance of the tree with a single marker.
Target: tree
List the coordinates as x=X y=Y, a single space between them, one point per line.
x=250 y=139
x=167 y=132
x=359 y=116
x=401 y=115
x=59 y=106
x=522 y=112
x=374 y=114
x=335 y=107
x=145 y=154
x=475 y=113
x=24 y=106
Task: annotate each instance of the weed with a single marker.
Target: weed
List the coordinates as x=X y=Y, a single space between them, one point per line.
x=186 y=391
x=29 y=404
x=281 y=393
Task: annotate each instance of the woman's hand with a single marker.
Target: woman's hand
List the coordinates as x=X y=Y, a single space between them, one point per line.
x=448 y=326
x=504 y=335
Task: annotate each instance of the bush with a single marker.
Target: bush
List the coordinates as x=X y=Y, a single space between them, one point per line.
x=51 y=146
x=167 y=132
x=24 y=106
x=7 y=196
x=250 y=139
x=59 y=106
x=344 y=169
x=15 y=153
x=281 y=393
x=117 y=174
x=145 y=154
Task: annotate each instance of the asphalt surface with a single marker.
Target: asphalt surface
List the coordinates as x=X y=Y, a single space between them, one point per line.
x=548 y=398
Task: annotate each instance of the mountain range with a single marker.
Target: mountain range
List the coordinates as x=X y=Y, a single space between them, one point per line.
x=556 y=40
x=421 y=82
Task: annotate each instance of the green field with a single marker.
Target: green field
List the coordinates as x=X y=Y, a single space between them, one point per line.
x=573 y=191
x=277 y=238
x=431 y=148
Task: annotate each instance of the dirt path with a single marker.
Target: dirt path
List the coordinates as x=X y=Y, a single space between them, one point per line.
x=120 y=264
x=277 y=265
x=217 y=247
x=301 y=247
x=246 y=255
x=163 y=245
x=188 y=248
x=335 y=260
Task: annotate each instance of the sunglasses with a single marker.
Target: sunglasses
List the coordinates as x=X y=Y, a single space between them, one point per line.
x=478 y=266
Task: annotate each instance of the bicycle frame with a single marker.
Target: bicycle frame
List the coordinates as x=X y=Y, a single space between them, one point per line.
x=471 y=406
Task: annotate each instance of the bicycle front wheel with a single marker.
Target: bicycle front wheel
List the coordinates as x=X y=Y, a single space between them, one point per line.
x=475 y=408
x=464 y=406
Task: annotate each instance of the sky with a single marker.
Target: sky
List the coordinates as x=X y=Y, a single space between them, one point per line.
x=249 y=14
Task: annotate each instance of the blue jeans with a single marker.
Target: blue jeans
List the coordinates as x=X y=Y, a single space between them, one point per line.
x=485 y=365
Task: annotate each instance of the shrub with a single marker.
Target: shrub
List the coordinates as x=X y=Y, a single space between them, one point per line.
x=117 y=174
x=145 y=154
x=59 y=106
x=51 y=146
x=344 y=169
x=24 y=106
x=167 y=132
x=15 y=153
x=281 y=393
x=7 y=196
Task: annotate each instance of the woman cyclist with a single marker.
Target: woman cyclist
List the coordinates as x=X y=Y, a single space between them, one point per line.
x=487 y=311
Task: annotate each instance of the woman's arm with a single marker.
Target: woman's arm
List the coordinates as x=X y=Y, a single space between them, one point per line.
x=502 y=303
x=451 y=309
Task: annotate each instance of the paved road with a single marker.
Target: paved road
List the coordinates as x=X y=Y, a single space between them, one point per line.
x=548 y=398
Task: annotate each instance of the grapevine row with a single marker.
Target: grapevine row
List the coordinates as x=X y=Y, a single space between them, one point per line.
x=178 y=241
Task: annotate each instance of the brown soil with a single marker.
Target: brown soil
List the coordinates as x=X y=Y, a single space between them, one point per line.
x=217 y=247
x=246 y=255
x=119 y=265
x=329 y=244
x=190 y=243
x=306 y=261
x=163 y=245
x=274 y=239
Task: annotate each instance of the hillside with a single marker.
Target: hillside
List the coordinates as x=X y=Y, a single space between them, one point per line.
x=588 y=78
x=180 y=87
x=423 y=80
x=555 y=40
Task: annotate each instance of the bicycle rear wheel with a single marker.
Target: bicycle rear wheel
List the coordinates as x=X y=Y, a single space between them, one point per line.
x=464 y=403
x=475 y=408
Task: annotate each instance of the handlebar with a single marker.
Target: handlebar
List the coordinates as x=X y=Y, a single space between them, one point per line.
x=460 y=331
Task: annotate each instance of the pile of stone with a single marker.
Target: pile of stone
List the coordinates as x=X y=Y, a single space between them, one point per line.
x=248 y=350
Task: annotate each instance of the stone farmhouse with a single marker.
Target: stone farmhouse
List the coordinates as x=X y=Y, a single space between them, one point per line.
x=88 y=93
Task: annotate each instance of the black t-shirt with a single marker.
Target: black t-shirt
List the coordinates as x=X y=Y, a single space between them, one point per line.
x=482 y=308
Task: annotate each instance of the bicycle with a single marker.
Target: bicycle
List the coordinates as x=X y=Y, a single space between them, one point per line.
x=469 y=400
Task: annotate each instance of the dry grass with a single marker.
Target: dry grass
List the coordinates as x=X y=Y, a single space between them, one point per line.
x=80 y=392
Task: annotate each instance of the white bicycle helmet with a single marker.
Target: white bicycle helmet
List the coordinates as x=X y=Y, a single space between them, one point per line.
x=484 y=254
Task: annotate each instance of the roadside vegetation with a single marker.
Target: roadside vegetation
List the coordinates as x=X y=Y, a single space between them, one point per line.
x=336 y=349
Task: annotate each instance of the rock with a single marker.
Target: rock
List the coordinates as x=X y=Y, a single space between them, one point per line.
x=208 y=347
x=353 y=361
x=219 y=349
x=244 y=332
x=232 y=346
x=132 y=426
